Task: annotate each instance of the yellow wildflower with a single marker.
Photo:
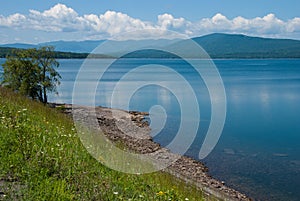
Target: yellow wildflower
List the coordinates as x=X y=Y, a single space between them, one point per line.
x=160 y=193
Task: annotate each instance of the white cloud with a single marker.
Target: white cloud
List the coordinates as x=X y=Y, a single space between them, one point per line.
x=294 y=25
x=57 y=18
x=12 y=20
x=60 y=18
x=268 y=24
x=112 y=22
x=63 y=19
x=217 y=23
x=167 y=21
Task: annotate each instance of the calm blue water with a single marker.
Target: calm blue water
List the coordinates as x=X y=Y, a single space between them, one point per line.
x=259 y=150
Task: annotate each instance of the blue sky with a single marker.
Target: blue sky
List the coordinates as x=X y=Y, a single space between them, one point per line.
x=34 y=21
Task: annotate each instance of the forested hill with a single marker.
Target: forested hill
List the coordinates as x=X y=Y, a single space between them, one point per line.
x=216 y=45
x=4 y=51
x=241 y=46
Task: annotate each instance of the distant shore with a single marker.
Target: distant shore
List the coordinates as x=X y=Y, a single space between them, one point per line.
x=185 y=168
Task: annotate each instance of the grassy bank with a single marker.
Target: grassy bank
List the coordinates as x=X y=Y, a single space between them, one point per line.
x=41 y=158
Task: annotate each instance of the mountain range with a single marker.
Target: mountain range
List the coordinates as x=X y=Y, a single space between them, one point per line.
x=217 y=45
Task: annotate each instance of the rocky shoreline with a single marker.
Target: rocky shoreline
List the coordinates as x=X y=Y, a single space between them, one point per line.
x=140 y=141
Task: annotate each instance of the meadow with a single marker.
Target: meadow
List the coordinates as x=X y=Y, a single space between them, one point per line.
x=42 y=158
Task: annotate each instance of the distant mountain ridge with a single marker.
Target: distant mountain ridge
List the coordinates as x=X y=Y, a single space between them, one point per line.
x=74 y=46
x=242 y=46
x=62 y=46
x=217 y=45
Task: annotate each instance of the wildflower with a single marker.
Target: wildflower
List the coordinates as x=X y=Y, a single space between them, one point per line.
x=160 y=193
x=116 y=193
x=186 y=199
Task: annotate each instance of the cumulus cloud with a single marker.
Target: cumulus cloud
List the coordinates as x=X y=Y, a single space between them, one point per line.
x=294 y=25
x=268 y=24
x=61 y=18
x=12 y=20
x=113 y=22
x=167 y=21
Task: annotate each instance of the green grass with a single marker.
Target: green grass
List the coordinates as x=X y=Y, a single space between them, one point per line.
x=42 y=158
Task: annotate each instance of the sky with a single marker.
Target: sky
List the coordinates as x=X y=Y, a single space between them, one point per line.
x=31 y=21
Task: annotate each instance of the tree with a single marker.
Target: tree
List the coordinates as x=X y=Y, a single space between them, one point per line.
x=49 y=77
x=32 y=72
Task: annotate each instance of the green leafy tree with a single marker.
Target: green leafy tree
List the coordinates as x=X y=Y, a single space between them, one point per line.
x=32 y=72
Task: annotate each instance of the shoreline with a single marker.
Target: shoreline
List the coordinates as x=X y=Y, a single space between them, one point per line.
x=185 y=168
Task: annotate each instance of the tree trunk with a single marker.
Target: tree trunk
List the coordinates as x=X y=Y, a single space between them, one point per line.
x=41 y=95
x=44 y=87
x=45 y=95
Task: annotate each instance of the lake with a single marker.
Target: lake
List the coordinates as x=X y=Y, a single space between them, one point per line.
x=258 y=152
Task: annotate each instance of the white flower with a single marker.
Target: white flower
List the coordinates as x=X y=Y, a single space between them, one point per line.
x=116 y=193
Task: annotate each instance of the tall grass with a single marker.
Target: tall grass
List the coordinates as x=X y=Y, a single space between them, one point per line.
x=42 y=158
